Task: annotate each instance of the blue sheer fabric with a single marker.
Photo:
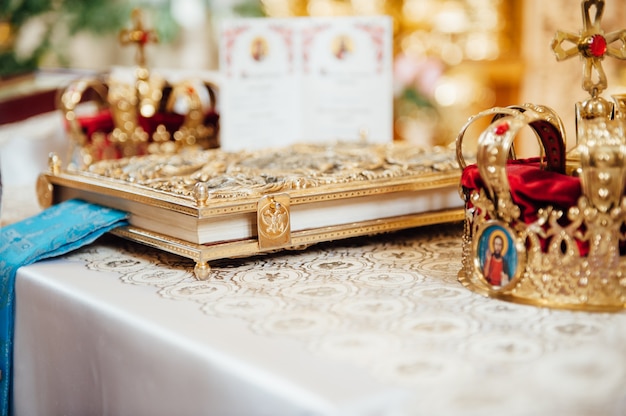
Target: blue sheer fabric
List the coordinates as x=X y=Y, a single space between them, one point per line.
x=55 y=231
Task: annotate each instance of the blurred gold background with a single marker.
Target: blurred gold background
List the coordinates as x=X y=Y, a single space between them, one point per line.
x=453 y=58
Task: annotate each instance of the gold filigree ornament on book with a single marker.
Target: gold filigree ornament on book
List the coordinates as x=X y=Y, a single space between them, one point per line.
x=109 y=118
x=551 y=230
x=214 y=204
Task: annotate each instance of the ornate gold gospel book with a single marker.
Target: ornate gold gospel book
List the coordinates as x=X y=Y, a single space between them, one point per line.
x=214 y=204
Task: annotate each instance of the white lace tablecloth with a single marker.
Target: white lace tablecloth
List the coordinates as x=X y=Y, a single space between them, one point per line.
x=371 y=326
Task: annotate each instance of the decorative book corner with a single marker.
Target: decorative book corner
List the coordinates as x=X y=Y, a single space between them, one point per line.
x=214 y=204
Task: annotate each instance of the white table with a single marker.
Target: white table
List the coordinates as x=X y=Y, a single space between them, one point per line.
x=373 y=326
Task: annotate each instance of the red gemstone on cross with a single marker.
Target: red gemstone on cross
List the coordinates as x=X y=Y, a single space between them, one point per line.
x=502 y=128
x=597 y=46
x=144 y=37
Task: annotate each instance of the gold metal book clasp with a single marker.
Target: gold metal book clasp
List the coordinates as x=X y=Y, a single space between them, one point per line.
x=274 y=222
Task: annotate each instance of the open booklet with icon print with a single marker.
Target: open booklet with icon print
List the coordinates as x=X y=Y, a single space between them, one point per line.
x=305 y=80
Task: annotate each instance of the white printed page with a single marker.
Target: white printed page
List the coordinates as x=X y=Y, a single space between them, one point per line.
x=347 y=79
x=260 y=82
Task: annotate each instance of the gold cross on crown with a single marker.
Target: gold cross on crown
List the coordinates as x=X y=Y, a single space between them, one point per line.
x=591 y=45
x=139 y=36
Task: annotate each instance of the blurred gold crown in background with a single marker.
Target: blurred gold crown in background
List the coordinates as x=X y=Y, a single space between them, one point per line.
x=551 y=230
x=145 y=115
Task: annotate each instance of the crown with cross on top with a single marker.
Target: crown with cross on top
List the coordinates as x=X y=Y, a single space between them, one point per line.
x=149 y=115
x=562 y=214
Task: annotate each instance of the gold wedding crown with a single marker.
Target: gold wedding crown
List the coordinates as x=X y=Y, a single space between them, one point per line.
x=551 y=230
x=148 y=116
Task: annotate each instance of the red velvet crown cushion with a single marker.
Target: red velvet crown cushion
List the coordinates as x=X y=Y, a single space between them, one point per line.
x=531 y=187
x=102 y=122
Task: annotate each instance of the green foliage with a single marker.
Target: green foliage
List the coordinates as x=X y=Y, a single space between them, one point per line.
x=164 y=24
x=9 y=65
x=18 y=11
x=249 y=9
x=100 y=17
x=411 y=95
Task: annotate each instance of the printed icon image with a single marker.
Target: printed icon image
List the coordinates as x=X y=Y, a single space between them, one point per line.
x=497 y=255
x=342 y=47
x=258 y=49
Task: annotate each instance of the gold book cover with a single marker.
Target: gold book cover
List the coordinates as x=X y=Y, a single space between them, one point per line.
x=213 y=204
